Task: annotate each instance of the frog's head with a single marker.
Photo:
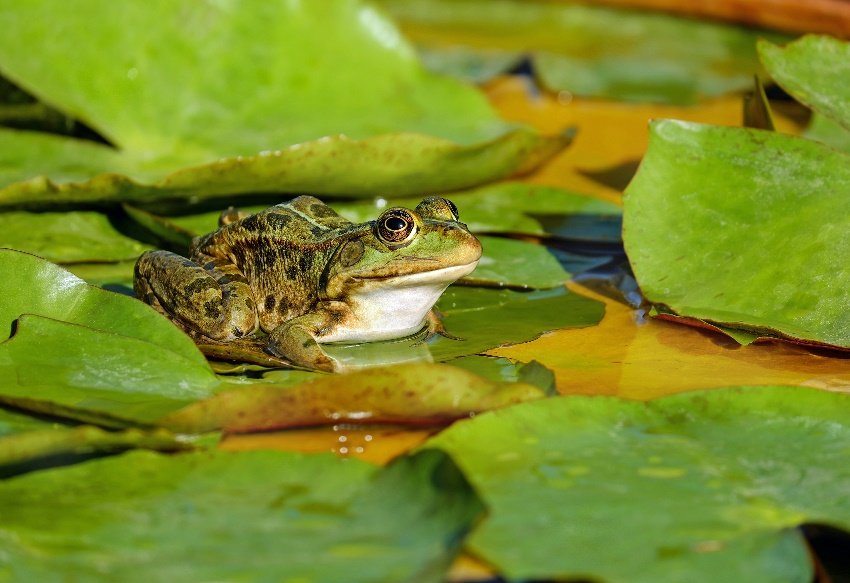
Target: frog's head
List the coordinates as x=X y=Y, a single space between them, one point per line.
x=423 y=249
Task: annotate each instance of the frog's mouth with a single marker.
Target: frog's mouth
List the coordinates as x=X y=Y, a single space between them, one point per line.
x=445 y=275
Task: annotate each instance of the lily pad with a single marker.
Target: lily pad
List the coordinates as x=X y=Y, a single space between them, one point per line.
x=70 y=237
x=415 y=394
x=587 y=50
x=144 y=516
x=79 y=346
x=744 y=229
x=512 y=263
x=486 y=318
x=183 y=107
x=32 y=285
x=398 y=164
x=96 y=371
x=711 y=484
x=27 y=447
x=811 y=69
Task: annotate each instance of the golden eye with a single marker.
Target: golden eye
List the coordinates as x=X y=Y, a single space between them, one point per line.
x=397 y=227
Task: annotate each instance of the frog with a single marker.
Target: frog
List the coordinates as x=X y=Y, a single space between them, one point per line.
x=304 y=276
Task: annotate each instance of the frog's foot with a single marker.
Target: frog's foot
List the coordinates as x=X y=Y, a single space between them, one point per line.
x=295 y=341
x=433 y=328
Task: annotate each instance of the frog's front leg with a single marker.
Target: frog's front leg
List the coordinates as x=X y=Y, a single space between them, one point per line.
x=297 y=340
x=214 y=300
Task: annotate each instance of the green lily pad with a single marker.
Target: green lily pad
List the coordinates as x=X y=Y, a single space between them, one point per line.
x=487 y=319
x=399 y=164
x=415 y=394
x=31 y=285
x=25 y=448
x=512 y=263
x=96 y=371
x=744 y=229
x=87 y=353
x=811 y=69
x=588 y=50
x=223 y=516
x=12 y=422
x=824 y=130
x=705 y=486
x=71 y=237
x=183 y=107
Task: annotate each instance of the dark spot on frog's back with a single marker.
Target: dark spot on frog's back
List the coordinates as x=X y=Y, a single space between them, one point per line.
x=304 y=263
x=321 y=210
x=270 y=302
x=278 y=220
x=212 y=309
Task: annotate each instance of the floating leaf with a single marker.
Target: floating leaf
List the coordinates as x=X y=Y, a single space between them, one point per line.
x=70 y=237
x=80 y=346
x=221 y=516
x=488 y=318
x=414 y=394
x=588 y=50
x=824 y=130
x=98 y=371
x=398 y=164
x=182 y=128
x=710 y=484
x=31 y=285
x=511 y=263
x=811 y=69
x=702 y=230
x=12 y=422
x=24 y=448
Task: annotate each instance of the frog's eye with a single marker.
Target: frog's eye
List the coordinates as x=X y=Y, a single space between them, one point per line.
x=397 y=227
x=441 y=209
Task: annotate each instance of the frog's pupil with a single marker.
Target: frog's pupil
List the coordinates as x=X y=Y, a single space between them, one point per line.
x=395 y=224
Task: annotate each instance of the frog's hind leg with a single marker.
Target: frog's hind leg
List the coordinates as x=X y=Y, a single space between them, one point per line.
x=217 y=302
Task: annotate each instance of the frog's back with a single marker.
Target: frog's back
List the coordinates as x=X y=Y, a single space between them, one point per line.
x=281 y=252
x=301 y=220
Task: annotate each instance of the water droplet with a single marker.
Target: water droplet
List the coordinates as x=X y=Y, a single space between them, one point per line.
x=132 y=73
x=565 y=97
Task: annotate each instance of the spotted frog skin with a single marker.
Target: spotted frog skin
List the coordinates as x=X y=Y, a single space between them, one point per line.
x=306 y=275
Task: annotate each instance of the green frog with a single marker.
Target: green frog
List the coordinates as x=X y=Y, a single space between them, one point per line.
x=306 y=275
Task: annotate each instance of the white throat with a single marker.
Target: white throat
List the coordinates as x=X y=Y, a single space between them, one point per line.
x=393 y=309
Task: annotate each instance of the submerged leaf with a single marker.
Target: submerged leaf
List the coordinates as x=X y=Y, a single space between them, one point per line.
x=183 y=107
x=714 y=212
x=414 y=394
x=588 y=50
x=222 y=516
x=710 y=484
